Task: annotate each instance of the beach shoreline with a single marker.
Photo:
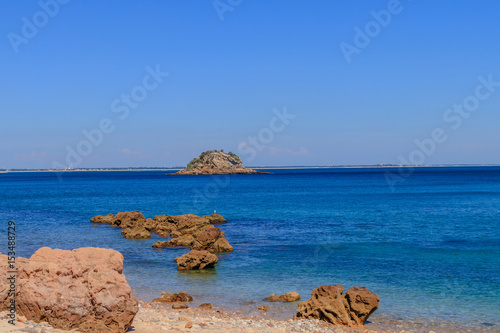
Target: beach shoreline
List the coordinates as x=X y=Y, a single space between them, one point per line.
x=153 y=317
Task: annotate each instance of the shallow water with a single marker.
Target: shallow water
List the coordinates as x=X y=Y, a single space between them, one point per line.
x=431 y=248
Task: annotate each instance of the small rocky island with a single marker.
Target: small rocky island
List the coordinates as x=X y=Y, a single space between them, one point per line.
x=213 y=162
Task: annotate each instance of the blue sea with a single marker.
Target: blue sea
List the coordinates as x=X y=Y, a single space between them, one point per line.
x=429 y=246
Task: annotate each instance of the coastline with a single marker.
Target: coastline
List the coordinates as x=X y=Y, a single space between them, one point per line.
x=154 y=317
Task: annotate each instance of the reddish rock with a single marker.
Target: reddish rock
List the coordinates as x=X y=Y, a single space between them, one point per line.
x=262 y=308
x=189 y=325
x=82 y=289
x=196 y=260
x=138 y=232
x=327 y=303
x=205 y=306
x=288 y=297
x=171 y=298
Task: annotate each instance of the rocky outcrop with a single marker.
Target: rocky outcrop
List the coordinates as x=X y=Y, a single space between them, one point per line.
x=121 y=220
x=138 y=232
x=188 y=230
x=171 y=298
x=82 y=289
x=329 y=304
x=196 y=260
x=215 y=162
x=207 y=238
x=291 y=296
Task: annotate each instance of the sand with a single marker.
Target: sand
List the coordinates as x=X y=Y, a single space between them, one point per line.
x=157 y=317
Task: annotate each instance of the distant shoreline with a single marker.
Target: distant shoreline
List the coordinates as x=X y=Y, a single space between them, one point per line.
x=259 y=168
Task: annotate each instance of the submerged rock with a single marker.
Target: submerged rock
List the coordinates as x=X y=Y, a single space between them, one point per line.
x=327 y=303
x=83 y=289
x=196 y=260
x=171 y=298
x=291 y=296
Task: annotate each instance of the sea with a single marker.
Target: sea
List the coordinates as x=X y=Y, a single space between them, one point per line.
x=426 y=239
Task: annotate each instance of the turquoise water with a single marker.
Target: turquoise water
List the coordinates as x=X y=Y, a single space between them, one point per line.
x=431 y=247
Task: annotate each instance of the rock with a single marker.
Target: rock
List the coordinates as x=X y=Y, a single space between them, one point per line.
x=189 y=325
x=215 y=219
x=102 y=219
x=171 y=298
x=205 y=306
x=160 y=244
x=121 y=220
x=327 y=303
x=215 y=162
x=196 y=260
x=128 y=219
x=207 y=238
x=362 y=303
x=83 y=289
x=178 y=306
x=263 y=308
x=288 y=297
x=95 y=225
x=138 y=232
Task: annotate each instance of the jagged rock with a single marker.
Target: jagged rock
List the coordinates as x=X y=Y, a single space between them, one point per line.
x=215 y=219
x=128 y=219
x=196 y=260
x=207 y=238
x=288 y=297
x=83 y=289
x=327 y=303
x=171 y=298
x=215 y=162
x=121 y=220
x=262 y=308
x=362 y=303
x=138 y=232
x=160 y=244
x=103 y=219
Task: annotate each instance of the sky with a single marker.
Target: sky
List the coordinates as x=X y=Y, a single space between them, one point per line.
x=280 y=83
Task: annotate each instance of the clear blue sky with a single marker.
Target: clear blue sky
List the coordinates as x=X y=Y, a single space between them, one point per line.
x=227 y=76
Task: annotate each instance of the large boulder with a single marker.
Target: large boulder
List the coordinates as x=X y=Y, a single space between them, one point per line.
x=138 y=232
x=82 y=289
x=329 y=304
x=196 y=260
x=362 y=303
x=291 y=296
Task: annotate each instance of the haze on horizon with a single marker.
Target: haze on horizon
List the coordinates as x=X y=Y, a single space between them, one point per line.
x=127 y=84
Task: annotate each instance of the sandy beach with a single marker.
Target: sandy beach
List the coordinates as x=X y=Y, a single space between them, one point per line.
x=157 y=317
